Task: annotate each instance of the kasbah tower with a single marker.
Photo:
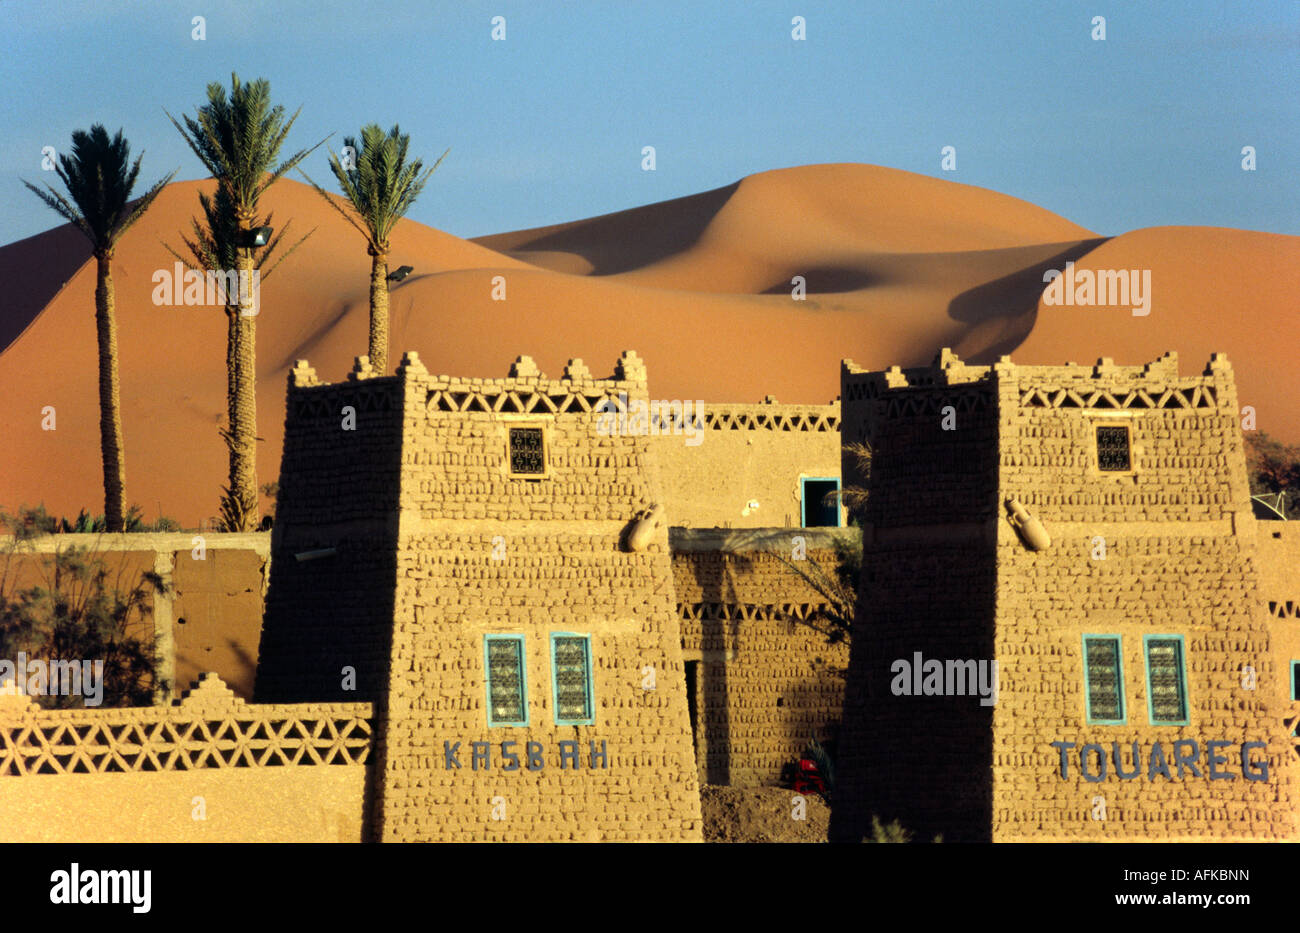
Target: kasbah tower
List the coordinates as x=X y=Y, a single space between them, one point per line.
x=1089 y=528
x=474 y=559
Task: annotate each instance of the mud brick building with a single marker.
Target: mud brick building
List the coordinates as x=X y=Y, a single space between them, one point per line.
x=1090 y=529
x=476 y=552
x=764 y=668
x=464 y=571
x=486 y=619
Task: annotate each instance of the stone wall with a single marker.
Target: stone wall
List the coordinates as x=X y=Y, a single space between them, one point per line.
x=209 y=768
x=743 y=468
x=768 y=674
x=1165 y=547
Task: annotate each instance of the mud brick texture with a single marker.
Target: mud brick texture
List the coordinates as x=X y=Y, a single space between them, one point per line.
x=438 y=539
x=1164 y=545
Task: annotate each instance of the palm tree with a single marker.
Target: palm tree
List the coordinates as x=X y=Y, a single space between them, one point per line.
x=214 y=247
x=238 y=140
x=854 y=496
x=380 y=187
x=838 y=583
x=99 y=184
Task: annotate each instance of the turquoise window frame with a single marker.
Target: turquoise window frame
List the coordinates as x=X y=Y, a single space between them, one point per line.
x=523 y=678
x=1182 y=664
x=590 y=720
x=803 y=499
x=1119 y=675
x=1295 y=693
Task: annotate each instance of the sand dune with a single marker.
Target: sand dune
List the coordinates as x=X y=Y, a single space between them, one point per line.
x=752 y=236
x=1212 y=290
x=895 y=265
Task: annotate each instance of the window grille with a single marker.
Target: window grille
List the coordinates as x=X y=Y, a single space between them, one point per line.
x=571 y=664
x=1104 y=673
x=1112 y=448
x=506 y=685
x=527 y=452
x=1166 y=680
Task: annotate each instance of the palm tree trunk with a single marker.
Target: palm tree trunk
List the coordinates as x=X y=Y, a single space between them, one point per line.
x=379 y=311
x=232 y=341
x=110 y=403
x=242 y=398
x=228 y=501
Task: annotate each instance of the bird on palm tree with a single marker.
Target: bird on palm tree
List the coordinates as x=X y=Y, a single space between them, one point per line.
x=99 y=184
x=238 y=140
x=380 y=187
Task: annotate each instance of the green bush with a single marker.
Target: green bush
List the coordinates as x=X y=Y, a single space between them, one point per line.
x=891 y=832
x=76 y=613
x=32 y=522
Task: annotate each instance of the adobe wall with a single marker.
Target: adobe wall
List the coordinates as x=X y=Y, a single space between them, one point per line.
x=768 y=678
x=329 y=605
x=1180 y=558
x=745 y=454
x=211 y=621
x=1279 y=585
x=928 y=585
x=209 y=769
x=468 y=550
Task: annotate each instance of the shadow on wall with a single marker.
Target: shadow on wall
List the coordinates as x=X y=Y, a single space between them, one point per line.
x=327 y=631
x=804 y=707
x=719 y=639
x=923 y=760
x=237 y=669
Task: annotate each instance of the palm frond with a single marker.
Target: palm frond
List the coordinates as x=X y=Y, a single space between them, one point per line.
x=60 y=204
x=99 y=177
x=330 y=199
x=238 y=138
x=144 y=203
x=380 y=186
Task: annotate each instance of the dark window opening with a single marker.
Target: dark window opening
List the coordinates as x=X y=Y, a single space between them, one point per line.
x=820 y=506
x=1112 y=448
x=526 y=451
x=692 y=682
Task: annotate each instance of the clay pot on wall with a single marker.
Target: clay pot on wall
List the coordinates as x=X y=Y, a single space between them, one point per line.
x=1030 y=529
x=642 y=531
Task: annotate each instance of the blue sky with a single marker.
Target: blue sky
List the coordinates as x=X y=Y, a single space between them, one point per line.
x=1142 y=129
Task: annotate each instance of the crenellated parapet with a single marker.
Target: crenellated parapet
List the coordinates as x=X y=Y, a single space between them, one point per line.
x=527 y=391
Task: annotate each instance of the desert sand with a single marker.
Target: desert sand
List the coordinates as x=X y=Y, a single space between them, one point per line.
x=896 y=265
